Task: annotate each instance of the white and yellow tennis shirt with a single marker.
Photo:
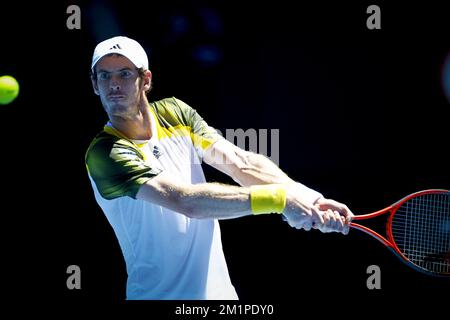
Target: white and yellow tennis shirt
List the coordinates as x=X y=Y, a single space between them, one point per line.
x=168 y=255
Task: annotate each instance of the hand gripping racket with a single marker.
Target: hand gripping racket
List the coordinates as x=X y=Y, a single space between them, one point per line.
x=418 y=230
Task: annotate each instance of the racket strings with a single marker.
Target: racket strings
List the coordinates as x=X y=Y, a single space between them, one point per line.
x=421 y=230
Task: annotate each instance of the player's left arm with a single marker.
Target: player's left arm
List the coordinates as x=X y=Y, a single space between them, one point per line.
x=249 y=168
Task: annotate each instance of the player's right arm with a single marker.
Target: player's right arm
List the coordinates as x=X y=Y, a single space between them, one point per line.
x=220 y=201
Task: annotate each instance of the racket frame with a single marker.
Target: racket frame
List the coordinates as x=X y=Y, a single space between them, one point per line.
x=389 y=241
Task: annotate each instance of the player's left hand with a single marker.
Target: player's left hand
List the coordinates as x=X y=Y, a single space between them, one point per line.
x=336 y=216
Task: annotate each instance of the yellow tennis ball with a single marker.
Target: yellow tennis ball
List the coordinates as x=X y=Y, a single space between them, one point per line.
x=9 y=89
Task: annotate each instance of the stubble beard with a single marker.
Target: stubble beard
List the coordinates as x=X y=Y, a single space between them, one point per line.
x=122 y=109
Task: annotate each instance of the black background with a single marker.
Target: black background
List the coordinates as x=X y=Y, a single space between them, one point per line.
x=362 y=117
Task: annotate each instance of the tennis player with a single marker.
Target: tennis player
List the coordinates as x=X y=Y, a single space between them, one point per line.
x=146 y=174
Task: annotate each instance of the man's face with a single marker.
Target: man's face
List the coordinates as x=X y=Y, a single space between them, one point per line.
x=119 y=86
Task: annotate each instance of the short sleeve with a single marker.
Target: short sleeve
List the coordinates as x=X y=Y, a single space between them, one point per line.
x=117 y=168
x=203 y=135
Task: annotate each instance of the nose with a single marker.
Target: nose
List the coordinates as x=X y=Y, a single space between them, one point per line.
x=114 y=84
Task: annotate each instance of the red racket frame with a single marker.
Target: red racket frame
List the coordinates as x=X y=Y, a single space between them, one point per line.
x=389 y=241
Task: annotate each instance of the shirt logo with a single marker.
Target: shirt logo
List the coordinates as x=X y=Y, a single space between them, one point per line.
x=157 y=152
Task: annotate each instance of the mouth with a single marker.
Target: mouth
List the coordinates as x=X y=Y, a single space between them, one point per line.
x=116 y=97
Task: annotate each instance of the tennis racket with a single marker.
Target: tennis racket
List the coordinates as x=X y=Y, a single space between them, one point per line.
x=417 y=230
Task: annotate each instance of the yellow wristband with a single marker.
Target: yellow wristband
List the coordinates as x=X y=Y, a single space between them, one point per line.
x=267 y=198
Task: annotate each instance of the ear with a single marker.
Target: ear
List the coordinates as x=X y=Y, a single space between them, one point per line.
x=147 y=80
x=95 y=86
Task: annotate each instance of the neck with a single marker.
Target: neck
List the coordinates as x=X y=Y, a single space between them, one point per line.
x=137 y=127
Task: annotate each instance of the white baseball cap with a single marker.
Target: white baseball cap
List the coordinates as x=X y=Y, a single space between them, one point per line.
x=124 y=46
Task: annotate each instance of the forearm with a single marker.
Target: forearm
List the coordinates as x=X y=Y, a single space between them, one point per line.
x=206 y=200
x=218 y=201
x=259 y=169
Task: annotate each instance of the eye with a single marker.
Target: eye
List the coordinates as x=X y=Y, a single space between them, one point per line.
x=125 y=74
x=103 y=76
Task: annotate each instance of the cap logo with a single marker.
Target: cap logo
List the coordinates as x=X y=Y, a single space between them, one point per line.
x=117 y=46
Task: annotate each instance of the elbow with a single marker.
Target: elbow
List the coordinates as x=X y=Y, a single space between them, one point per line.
x=245 y=161
x=257 y=159
x=186 y=205
x=251 y=162
x=174 y=197
x=192 y=210
x=187 y=210
x=172 y=194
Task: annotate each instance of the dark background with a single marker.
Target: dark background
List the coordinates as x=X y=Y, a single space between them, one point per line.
x=362 y=115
